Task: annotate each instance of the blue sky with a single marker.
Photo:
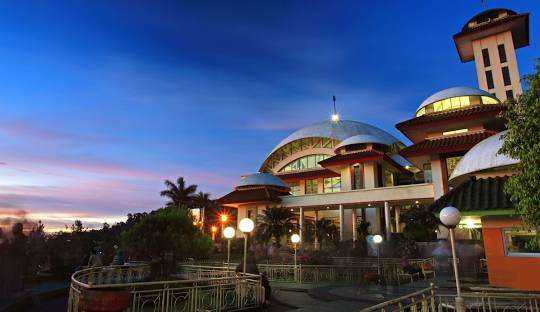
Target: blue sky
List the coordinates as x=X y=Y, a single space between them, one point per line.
x=102 y=100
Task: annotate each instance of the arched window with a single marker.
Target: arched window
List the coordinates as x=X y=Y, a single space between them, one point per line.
x=456 y=102
x=306 y=162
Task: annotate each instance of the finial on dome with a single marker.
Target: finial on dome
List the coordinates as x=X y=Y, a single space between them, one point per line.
x=335 y=116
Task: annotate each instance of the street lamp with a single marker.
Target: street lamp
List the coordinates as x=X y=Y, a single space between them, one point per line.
x=295 y=239
x=450 y=217
x=214 y=230
x=229 y=233
x=223 y=218
x=246 y=225
x=377 y=239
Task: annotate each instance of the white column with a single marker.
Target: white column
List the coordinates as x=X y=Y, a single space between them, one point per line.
x=353 y=222
x=341 y=222
x=302 y=223
x=316 y=244
x=397 y=211
x=387 y=220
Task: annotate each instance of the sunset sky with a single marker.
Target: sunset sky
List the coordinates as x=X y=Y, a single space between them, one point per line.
x=103 y=100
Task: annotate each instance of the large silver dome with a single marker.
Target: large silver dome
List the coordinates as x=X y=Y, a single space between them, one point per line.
x=483 y=156
x=340 y=130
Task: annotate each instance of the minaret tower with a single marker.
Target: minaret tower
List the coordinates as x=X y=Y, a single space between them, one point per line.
x=490 y=39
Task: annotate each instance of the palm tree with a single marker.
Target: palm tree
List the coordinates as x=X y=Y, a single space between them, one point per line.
x=203 y=202
x=275 y=223
x=326 y=230
x=178 y=194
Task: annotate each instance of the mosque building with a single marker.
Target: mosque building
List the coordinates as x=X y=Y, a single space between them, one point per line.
x=348 y=171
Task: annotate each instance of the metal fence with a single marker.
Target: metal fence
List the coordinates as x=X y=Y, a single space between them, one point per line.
x=427 y=300
x=208 y=289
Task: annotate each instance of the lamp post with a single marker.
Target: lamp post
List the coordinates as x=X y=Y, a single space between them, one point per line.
x=377 y=239
x=229 y=233
x=450 y=217
x=295 y=239
x=213 y=229
x=246 y=225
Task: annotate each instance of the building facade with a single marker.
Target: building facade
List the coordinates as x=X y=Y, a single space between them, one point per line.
x=348 y=171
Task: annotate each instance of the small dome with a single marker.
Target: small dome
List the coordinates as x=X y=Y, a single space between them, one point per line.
x=483 y=156
x=452 y=93
x=364 y=138
x=486 y=17
x=337 y=130
x=261 y=179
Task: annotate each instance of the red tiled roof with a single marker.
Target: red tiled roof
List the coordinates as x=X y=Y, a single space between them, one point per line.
x=350 y=158
x=471 y=112
x=308 y=174
x=253 y=194
x=446 y=144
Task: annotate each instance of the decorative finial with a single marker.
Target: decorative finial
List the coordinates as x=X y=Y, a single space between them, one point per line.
x=335 y=116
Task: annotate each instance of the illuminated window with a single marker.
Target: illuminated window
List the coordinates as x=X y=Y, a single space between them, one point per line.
x=456 y=103
x=388 y=178
x=455 y=131
x=521 y=242
x=311 y=186
x=332 y=185
x=427 y=173
x=451 y=163
x=306 y=162
x=357 y=177
x=295 y=188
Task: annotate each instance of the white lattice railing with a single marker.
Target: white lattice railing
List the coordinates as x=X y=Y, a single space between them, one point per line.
x=207 y=289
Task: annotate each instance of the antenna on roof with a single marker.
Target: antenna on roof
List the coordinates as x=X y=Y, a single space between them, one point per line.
x=335 y=116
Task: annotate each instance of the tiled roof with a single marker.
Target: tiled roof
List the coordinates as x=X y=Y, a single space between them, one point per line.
x=457 y=113
x=446 y=144
x=476 y=194
x=253 y=194
x=362 y=156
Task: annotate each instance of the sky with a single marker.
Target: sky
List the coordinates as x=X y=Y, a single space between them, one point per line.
x=100 y=101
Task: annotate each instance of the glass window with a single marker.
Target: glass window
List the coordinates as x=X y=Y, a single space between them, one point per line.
x=506 y=76
x=502 y=53
x=489 y=79
x=521 y=242
x=332 y=185
x=455 y=102
x=427 y=173
x=421 y=112
x=388 y=178
x=488 y=100
x=451 y=163
x=464 y=100
x=295 y=188
x=509 y=94
x=446 y=104
x=311 y=186
x=437 y=106
x=306 y=162
x=357 y=178
x=485 y=56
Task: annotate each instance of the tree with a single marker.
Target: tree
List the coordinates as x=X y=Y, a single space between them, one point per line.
x=164 y=237
x=420 y=223
x=523 y=142
x=326 y=230
x=274 y=223
x=178 y=193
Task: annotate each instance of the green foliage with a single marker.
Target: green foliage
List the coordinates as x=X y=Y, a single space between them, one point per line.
x=165 y=236
x=178 y=193
x=274 y=224
x=523 y=142
x=327 y=232
x=420 y=223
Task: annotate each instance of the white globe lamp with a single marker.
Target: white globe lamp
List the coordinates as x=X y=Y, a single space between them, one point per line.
x=295 y=238
x=246 y=225
x=377 y=239
x=229 y=232
x=450 y=216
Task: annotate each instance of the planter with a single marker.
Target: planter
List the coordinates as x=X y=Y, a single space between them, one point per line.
x=104 y=300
